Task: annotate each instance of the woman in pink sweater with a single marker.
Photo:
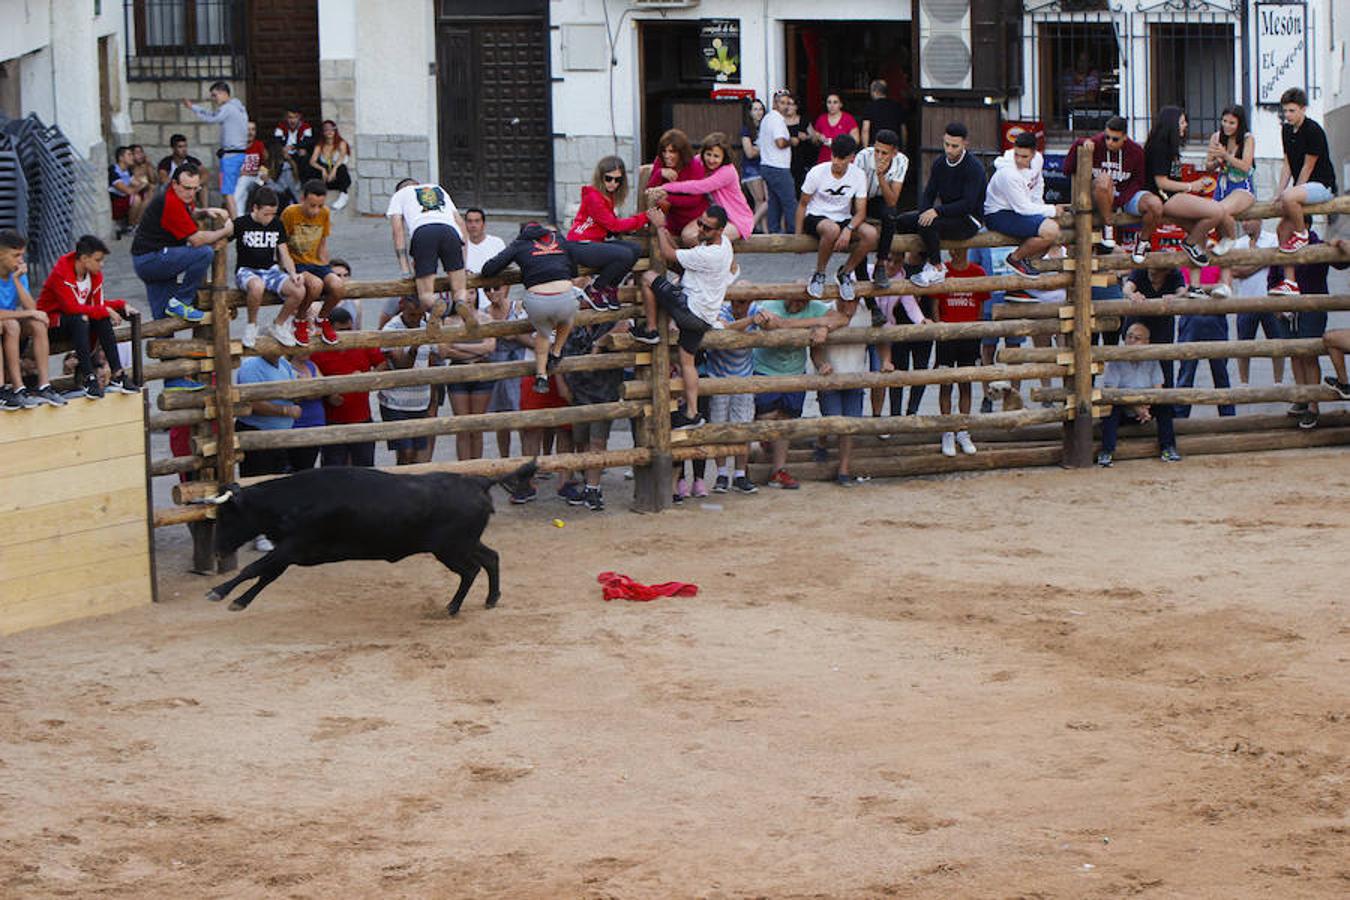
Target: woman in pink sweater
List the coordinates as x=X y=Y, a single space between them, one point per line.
x=723 y=183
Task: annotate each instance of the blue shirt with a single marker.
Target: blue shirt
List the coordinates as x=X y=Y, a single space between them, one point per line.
x=732 y=363
x=255 y=369
x=9 y=295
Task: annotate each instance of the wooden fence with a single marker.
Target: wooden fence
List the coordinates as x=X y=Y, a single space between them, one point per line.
x=1062 y=434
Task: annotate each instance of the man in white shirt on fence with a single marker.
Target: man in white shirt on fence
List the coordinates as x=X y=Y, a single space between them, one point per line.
x=833 y=208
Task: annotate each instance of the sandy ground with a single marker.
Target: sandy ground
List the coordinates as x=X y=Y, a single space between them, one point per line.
x=1028 y=684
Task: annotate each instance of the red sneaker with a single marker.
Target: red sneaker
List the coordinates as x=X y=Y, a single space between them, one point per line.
x=302 y=331
x=781 y=479
x=1295 y=242
x=327 y=331
x=1286 y=288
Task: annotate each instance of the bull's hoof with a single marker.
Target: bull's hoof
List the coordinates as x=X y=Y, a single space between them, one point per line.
x=491 y=602
x=452 y=610
x=214 y=595
x=236 y=606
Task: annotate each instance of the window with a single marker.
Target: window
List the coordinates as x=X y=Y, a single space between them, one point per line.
x=1191 y=66
x=184 y=26
x=1079 y=75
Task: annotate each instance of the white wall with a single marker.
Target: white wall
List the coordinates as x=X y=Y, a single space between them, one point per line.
x=395 y=90
x=337 y=29
x=26 y=27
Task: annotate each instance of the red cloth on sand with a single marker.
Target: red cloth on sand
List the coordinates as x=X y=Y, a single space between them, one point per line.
x=621 y=587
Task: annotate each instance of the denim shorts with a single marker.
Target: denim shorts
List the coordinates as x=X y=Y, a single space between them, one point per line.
x=1131 y=206
x=1317 y=193
x=272 y=278
x=315 y=269
x=987 y=315
x=388 y=414
x=790 y=402
x=846 y=402
x=1309 y=325
x=231 y=164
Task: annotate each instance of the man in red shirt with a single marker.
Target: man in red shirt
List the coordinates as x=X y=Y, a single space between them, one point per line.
x=352 y=408
x=959 y=307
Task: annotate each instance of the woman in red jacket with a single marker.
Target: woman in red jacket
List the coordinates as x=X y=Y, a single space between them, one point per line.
x=72 y=297
x=594 y=227
x=676 y=161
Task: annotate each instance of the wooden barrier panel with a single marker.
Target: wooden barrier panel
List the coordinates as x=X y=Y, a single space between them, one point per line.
x=73 y=541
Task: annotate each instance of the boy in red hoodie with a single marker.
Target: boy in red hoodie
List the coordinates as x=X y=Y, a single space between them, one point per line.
x=73 y=300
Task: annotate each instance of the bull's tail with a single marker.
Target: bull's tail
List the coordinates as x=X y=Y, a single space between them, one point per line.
x=514 y=481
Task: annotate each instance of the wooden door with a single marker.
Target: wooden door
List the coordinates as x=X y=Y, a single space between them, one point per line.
x=496 y=148
x=282 y=54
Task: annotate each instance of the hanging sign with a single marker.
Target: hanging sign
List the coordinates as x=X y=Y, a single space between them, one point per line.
x=1281 y=50
x=719 y=41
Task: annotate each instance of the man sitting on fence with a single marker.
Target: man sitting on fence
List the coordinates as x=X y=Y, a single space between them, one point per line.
x=1136 y=374
x=72 y=297
x=20 y=317
x=778 y=361
x=885 y=167
x=1117 y=179
x=1308 y=177
x=695 y=303
x=833 y=209
x=1014 y=204
x=353 y=407
x=173 y=256
x=740 y=316
x=263 y=262
x=308 y=225
x=953 y=199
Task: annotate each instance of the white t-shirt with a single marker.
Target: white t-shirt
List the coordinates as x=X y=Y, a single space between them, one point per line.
x=850 y=359
x=707 y=272
x=831 y=195
x=1254 y=285
x=423 y=204
x=477 y=254
x=772 y=126
x=82 y=289
x=866 y=161
x=413 y=397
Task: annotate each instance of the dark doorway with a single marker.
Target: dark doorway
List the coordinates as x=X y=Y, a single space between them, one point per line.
x=675 y=90
x=496 y=147
x=282 y=50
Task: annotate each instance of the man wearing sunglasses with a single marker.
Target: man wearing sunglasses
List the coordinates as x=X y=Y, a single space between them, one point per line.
x=695 y=303
x=1117 y=179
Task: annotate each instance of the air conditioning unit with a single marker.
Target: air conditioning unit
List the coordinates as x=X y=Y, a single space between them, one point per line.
x=945 y=47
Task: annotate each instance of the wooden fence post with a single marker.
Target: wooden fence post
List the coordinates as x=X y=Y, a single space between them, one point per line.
x=1078 y=429
x=653 y=483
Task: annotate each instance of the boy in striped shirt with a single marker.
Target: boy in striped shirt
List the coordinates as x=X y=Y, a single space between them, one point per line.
x=737 y=315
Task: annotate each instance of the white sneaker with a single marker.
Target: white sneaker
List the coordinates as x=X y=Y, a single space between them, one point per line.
x=341 y=201
x=263 y=545
x=1221 y=291
x=284 y=332
x=1221 y=246
x=948 y=444
x=930 y=275
x=250 y=334
x=965 y=443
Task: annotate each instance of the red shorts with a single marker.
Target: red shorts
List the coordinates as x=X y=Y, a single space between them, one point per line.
x=552 y=400
x=121 y=206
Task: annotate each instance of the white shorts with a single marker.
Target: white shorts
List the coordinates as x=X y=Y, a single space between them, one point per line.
x=731 y=408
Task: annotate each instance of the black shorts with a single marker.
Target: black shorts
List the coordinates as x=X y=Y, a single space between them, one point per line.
x=436 y=242
x=810 y=223
x=670 y=297
x=964 y=352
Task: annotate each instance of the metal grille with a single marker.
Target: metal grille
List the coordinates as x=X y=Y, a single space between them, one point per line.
x=185 y=39
x=1089 y=59
x=13 y=186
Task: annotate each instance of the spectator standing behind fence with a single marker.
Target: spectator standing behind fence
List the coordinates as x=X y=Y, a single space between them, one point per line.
x=266 y=415
x=230 y=115
x=296 y=137
x=830 y=124
x=799 y=142
x=960 y=306
x=469 y=397
x=20 y=316
x=1156 y=284
x=1137 y=375
x=399 y=404
x=1192 y=328
x=845 y=359
x=1306 y=177
x=909 y=355
x=510 y=348
x=308 y=225
x=1117 y=180
x=735 y=315
x=1309 y=325
x=751 y=179
x=1252 y=281
x=72 y=297
x=884 y=167
x=722 y=185
x=584 y=389
x=329 y=162
x=953 y=199
x=173 y=256
x=479 y=247
x=882 y=114
x=427 y=230
x=777 y=361
x=352 y=408
x=676 y=161
x=312 y=414
x=775 y=165
x=1014 y=204
x=263 y=262
x=592 y=233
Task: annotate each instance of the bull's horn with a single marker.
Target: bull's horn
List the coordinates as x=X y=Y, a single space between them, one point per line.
x=221 y=498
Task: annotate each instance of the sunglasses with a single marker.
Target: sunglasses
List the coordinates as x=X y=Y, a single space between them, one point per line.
x=613 y=179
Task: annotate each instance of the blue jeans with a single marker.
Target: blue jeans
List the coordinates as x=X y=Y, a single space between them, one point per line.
x=160 y=271
x=847 y=402
x=1203 y=328
x=782 y=199
x=1162 y=414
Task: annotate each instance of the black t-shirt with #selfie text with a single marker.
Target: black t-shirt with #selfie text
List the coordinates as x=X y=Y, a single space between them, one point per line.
x=1310 y=139
x=255 y=246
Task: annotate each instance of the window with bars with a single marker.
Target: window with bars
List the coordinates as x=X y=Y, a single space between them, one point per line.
x=1079 y=75
x=193 y=39
x=1191 y=65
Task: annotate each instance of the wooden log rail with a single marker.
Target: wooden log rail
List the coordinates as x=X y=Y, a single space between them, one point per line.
x=775 y=429
x=763 y=384
x=1289 y=393
x=1183 y=306
x=1181 y=350
x=1175 y=259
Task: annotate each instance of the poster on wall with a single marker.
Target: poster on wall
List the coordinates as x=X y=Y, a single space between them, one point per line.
x=1281 y=50
x=719 y=41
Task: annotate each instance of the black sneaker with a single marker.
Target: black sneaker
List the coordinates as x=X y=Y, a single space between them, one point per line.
x=524 y=495
x=49 y=395
x=552 y=365
x=987 y=405
x=571 y=491
x=124 y=384
x=92 y=389
x=1104 y=460
x=645 y=335
x=1170 y=455
x=1296 y=409
x=1197 y=254
x=679 y=420
x=880 y=279
x=1340 y=387
x=26 y=398
x=721 y=485
x=1104 y=247
x=612 y=301
x=1307 y=420
x=595 y=500
x=541 y=384
x=1023 y=267
x=743 y=485
x=9 y=399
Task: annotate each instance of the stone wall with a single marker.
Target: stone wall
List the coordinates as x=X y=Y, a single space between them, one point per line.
x=382 y=161
x=574 y=159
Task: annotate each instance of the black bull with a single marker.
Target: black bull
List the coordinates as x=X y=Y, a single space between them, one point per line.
x=334 y=514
